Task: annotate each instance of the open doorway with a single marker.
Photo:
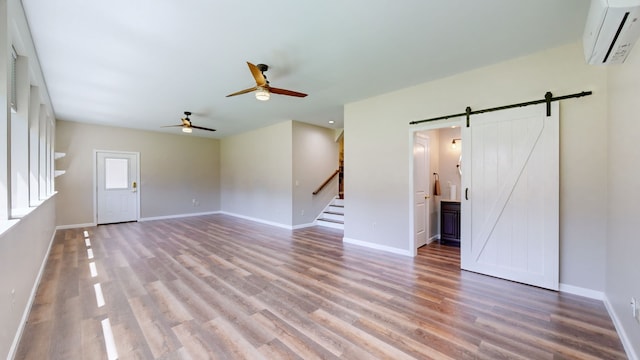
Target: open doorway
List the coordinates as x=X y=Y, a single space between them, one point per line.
x=436 y=158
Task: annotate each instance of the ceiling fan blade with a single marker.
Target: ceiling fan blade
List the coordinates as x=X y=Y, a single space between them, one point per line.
x=202 y=128
x=257 y=74
x=172 y=126
x=243 y=91
x=286 y=92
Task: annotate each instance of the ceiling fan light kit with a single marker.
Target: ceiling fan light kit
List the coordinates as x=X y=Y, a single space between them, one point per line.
x=263 y=94
x=187 y=130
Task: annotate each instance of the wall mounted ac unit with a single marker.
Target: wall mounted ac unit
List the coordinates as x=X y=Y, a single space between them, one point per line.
x=611 y=30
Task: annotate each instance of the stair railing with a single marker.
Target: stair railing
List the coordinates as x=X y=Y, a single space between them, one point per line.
x=326 y=182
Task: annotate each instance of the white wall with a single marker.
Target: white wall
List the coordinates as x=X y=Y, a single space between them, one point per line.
x=623 y=247
x=377 y=175
x=256 y=174
x=315 y=157
x=174 y=170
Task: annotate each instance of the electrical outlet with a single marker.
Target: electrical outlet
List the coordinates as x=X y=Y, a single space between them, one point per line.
x=302 y=213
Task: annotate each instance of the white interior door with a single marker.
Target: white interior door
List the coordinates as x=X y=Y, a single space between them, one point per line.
x=510 y=220
x=117 y=187
x=421 y=188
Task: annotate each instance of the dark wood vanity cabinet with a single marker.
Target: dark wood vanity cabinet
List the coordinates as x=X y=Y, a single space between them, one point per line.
x=450 y=221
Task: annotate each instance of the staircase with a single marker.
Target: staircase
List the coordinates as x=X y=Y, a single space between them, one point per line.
x=333 y=215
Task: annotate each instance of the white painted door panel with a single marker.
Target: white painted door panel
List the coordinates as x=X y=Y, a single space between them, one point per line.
x=421 y=188
x=117 y=186
x=510 y=222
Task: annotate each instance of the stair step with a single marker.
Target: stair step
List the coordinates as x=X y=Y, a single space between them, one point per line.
x=332 y=216
x=335 y=221
x=334 y=212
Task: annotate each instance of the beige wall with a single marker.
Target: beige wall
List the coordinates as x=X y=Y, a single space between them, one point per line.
x=23 y=249
x=315 y=157
x=174 y=170
x=256 y=174
x=623 y=250
x=377 y=175
x=268 y=174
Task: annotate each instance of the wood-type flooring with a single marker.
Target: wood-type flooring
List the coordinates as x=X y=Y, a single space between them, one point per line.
x=219 y=287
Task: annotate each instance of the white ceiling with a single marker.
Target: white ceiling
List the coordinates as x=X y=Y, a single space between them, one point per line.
x=141 y=63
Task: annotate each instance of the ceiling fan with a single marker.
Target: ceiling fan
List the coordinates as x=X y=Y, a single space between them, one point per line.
x=186 y=125
x=262 y=88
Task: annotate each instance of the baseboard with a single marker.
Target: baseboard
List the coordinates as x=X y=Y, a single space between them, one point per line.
x=576 y=290
x=385 y=248
x=74 y=226
x=302 y=226
x=166 y=217
x=266 y=222
x=433 y=238
x=626 y=342
x=32 y=298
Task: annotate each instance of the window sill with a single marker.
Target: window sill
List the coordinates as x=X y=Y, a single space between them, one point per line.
x=6 y=225
x=18 y=214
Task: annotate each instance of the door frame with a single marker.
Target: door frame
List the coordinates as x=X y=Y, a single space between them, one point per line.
x=95 y=180
x=434 y=125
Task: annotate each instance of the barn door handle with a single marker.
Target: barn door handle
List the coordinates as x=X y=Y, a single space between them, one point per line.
x=466 y=193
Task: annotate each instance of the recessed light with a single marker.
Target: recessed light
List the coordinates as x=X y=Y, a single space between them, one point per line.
x=331 y=122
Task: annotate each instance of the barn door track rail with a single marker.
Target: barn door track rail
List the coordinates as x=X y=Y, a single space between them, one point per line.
x=548 y=99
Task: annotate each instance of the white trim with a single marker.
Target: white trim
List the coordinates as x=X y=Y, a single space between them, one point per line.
x=288 y=227
x=433 y=238
x=580 y=291
x=176 y=216
x=626 y=341
x=385 y=248
x=32 y=297
x=74 y=226
x=329 y=224
x=302 y=226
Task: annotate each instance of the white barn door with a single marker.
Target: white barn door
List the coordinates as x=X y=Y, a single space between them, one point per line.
x=510 y=221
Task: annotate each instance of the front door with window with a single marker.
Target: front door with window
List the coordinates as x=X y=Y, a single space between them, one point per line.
x=117 y=187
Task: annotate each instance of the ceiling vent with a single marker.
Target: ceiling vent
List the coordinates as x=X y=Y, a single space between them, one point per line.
x=611 y=30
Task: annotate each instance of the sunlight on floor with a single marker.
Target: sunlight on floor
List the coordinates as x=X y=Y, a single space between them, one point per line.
x=109 y=342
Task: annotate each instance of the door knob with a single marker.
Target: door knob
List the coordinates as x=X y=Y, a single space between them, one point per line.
x=134 y=186
x=427 y=196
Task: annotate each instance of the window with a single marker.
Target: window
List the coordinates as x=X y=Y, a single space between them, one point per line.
x=116 y=173
x=13 y=94
x=19 y=142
